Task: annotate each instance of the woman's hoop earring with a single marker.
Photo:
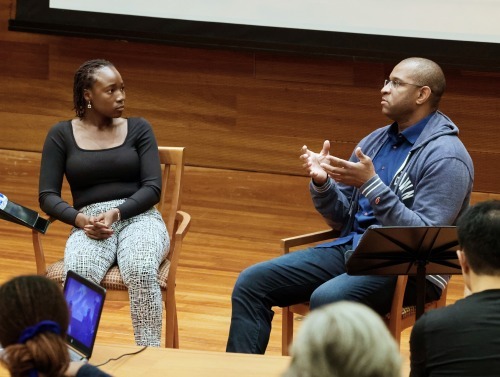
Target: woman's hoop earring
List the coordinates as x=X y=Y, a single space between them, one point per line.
x=89 y=105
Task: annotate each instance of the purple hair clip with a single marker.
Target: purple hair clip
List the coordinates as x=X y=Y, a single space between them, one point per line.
x=40 y=327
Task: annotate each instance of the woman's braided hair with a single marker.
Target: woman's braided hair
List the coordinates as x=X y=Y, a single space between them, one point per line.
x=84 y=79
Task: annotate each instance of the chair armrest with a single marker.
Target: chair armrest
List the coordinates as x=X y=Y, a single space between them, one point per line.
x=183 y=223
x=304 y=239
x=36 y=237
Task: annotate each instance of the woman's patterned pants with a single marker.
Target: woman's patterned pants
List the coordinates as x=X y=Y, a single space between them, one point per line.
x=138 y=246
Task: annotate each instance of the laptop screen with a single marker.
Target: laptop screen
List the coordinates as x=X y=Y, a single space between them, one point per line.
x=85 y=302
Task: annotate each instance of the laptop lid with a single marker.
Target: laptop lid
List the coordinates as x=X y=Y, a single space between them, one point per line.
x=85 y=302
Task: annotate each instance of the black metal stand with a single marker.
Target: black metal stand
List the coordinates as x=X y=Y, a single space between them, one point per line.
x=414 y=251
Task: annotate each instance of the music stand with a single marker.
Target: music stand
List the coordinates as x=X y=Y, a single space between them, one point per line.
x=419 y=251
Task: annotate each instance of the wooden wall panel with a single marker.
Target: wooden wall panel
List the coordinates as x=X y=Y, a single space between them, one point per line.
x=307 y=70
x=486 y=172
x=24 y=60
x=231 y=109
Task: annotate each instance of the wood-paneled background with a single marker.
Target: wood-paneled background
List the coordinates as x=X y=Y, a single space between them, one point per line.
x=242 y=117
x=231 y=109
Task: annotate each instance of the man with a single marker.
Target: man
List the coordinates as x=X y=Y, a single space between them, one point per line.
x=464 y=339
x=395 y=176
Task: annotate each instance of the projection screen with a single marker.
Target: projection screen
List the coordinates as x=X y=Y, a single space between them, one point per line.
x=457 y=32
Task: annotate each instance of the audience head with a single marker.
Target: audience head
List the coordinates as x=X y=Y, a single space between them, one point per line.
x=479 y=238
x=344 y=339
x=33 y=322
x=85 y=78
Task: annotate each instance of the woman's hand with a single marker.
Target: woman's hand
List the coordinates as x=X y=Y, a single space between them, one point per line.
x=98 y=230
x=98 y=227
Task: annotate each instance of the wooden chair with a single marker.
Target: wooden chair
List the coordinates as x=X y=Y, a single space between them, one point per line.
x=172 y=161
x=398 y=319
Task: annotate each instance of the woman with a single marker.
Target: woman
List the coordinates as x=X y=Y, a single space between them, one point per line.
x=344 y=339
x=112 y=166
x=33 y=322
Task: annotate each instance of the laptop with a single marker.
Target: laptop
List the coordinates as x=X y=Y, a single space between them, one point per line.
x=85 y=302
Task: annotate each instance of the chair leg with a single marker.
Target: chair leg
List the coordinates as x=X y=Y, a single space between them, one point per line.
x=176 y=331
x=396 y=333
x=396 y=321
x=171 y=327
x=286 y=331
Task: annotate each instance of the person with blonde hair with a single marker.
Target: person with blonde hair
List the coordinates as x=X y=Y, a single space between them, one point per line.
x=344 y=339
x=34 y=318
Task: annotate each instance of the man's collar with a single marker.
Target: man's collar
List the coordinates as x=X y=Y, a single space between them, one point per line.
x=410 y=133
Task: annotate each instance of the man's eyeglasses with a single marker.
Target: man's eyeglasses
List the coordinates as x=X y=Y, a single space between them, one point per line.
x=396 y=83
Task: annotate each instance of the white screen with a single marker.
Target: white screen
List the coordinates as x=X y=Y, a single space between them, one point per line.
x=460 y=20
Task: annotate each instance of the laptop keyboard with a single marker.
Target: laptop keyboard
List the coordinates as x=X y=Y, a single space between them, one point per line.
x=75 y=356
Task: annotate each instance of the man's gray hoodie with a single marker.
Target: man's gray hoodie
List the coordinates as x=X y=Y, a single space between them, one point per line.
x=432 y=186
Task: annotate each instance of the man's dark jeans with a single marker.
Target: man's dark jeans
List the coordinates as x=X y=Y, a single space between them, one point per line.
x=317 y=275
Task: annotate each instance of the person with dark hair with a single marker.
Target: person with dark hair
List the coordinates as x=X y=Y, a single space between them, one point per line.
x=34 y=318
x=113 y=168
x=463 y=339
x=394 y=177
